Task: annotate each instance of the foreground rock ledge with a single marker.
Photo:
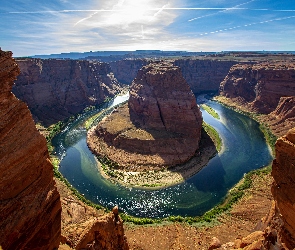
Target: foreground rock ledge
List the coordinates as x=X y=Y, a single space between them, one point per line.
x=159 y=127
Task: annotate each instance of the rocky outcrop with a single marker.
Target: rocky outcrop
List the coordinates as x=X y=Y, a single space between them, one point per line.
x=283 y=188
x=204 y=74
x=57 y=89
x=87 y=228
x=282 y=119
x=261 y=85
x=160 y=126
x=126 y=70
x=30 y=206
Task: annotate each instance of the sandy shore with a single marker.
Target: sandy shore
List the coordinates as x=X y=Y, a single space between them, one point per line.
x=154 y=179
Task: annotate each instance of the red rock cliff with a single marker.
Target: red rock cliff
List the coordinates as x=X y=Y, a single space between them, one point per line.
x=161 y=99
x=261 y=85
x=30 y=208
x=56 y=89
x=283 y=189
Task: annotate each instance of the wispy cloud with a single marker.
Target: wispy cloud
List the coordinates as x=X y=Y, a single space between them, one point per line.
x=245 y=25
x=86 y=18
x=148 y=9
x=221 y=11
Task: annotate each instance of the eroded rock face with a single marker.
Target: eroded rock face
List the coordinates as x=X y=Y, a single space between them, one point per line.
x=160 y=126
x=161 y=99
x=283 y=188
x=261 y=85
x=30 y=207
x=106 y=232
x=56 y=89
x=204 y=75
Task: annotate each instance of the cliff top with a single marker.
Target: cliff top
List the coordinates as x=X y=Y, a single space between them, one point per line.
x=274 y=65
x=159 y=67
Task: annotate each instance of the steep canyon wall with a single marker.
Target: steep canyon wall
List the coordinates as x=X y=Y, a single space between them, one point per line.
x=56 y=89
x=264 y=88
x=30 y=208
x=200 y=74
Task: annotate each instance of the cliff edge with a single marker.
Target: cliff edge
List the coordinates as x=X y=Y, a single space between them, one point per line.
x=30 y=208
x=266 y=88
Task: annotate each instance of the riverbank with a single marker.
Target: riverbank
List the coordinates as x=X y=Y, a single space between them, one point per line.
x=154 y=179
x=245 y=109
x=230 y=226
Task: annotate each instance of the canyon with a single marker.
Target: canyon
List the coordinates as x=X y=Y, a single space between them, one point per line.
x=160 y=126
x=33 y=215
x=30 y=205
x=57 y=89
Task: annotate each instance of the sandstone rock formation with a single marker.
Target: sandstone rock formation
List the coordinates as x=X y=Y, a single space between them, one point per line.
x=30 y=206
x=264 y=88
x=204 y=74
x=161 y=126
x=283 y=188
x=262 y=85
x=84 y=227
x=56 y=89
x=282 y=118
x=126 y=70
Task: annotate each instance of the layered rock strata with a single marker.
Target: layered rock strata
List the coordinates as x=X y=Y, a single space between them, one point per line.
x=261 y=85
x=56 y=89
x=264 y=88
x=160 y=125
x=282 y=118
x=283 y=189
x=30 y=209
x=204 y=74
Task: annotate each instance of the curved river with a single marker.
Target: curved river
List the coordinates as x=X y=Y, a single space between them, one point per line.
x=244 y=149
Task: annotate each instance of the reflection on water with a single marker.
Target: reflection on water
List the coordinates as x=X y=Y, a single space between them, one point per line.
x=244 y=150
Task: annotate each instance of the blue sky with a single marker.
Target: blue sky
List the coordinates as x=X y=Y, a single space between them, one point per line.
x=30 y=27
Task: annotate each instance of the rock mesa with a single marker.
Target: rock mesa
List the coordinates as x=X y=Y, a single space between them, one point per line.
x=160 y=125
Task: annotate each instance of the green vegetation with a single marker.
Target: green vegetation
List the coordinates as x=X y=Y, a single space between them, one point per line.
x=55 y=162
x=210 y=110
x=269 y=136
x=214 y=135
x=234 y=195
x=88 y=123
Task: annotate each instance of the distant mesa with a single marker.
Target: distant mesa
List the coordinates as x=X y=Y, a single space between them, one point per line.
x=160 y=126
